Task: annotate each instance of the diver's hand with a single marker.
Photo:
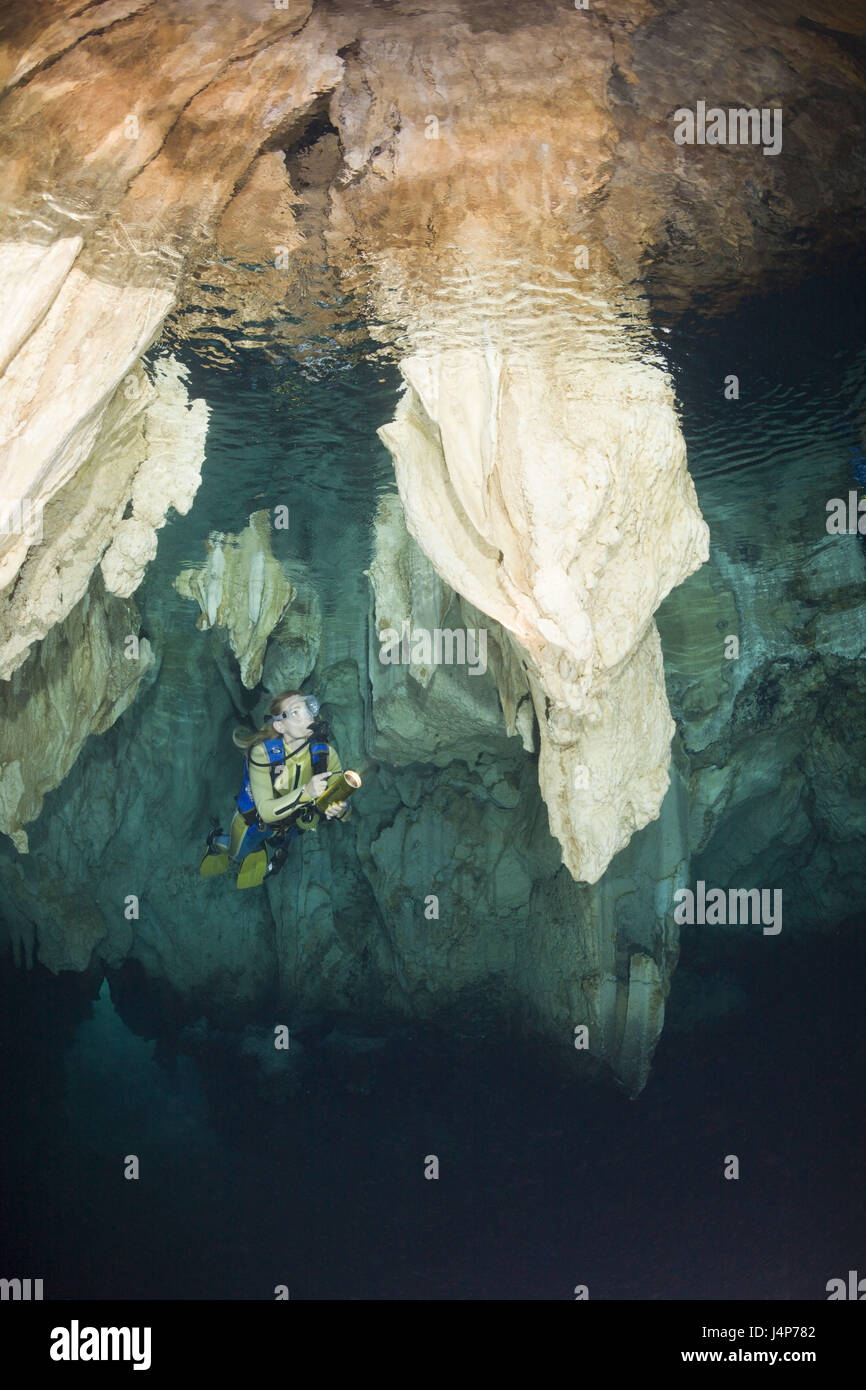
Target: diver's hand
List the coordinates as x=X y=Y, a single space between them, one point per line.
x=316 y=785
x=336 y=809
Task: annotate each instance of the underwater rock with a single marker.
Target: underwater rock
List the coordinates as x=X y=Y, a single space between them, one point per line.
x=72 y=441
x=423 y=710
x=554 y=496
x=55 y=914
x=406 y=587
x=763 y=659
x=509 y=670
x=453 y=880
x=644 y=1019
x=147 y=453
x=242 y=588
x=174 y=429
x=293 y=648
x=75 y=683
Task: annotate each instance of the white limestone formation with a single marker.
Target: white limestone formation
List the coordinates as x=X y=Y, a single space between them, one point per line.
x=553 y=495
x=243 y=588
x=174 y=430
x=72 y=355
x=146 y=453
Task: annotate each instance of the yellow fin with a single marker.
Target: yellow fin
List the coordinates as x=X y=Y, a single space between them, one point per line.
x=253 y=869
x=213 y=864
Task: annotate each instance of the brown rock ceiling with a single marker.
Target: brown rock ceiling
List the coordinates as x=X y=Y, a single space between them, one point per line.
x=555 y=130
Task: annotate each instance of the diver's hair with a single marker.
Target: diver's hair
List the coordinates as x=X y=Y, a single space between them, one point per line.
x=245 y=738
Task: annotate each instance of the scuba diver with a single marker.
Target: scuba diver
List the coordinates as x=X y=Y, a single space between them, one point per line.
x=292 y=777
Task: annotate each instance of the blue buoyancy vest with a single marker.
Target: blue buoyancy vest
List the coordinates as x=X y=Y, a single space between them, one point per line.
x=276 y=753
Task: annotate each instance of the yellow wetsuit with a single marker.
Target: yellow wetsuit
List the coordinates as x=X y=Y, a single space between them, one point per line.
x=278 y=796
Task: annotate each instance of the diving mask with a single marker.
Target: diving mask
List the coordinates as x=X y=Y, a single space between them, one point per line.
x=311 y=704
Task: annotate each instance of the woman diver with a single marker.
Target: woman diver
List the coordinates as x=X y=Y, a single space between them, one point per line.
x=287 y=766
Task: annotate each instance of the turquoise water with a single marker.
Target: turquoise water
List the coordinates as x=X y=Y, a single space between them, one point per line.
x=276 y=439
x=313 y=1175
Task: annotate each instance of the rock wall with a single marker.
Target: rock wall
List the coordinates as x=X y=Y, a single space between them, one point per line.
x=74 y=684
x=466 y=876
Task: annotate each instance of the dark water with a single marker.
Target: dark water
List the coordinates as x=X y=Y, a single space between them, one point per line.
x=544 y=1183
